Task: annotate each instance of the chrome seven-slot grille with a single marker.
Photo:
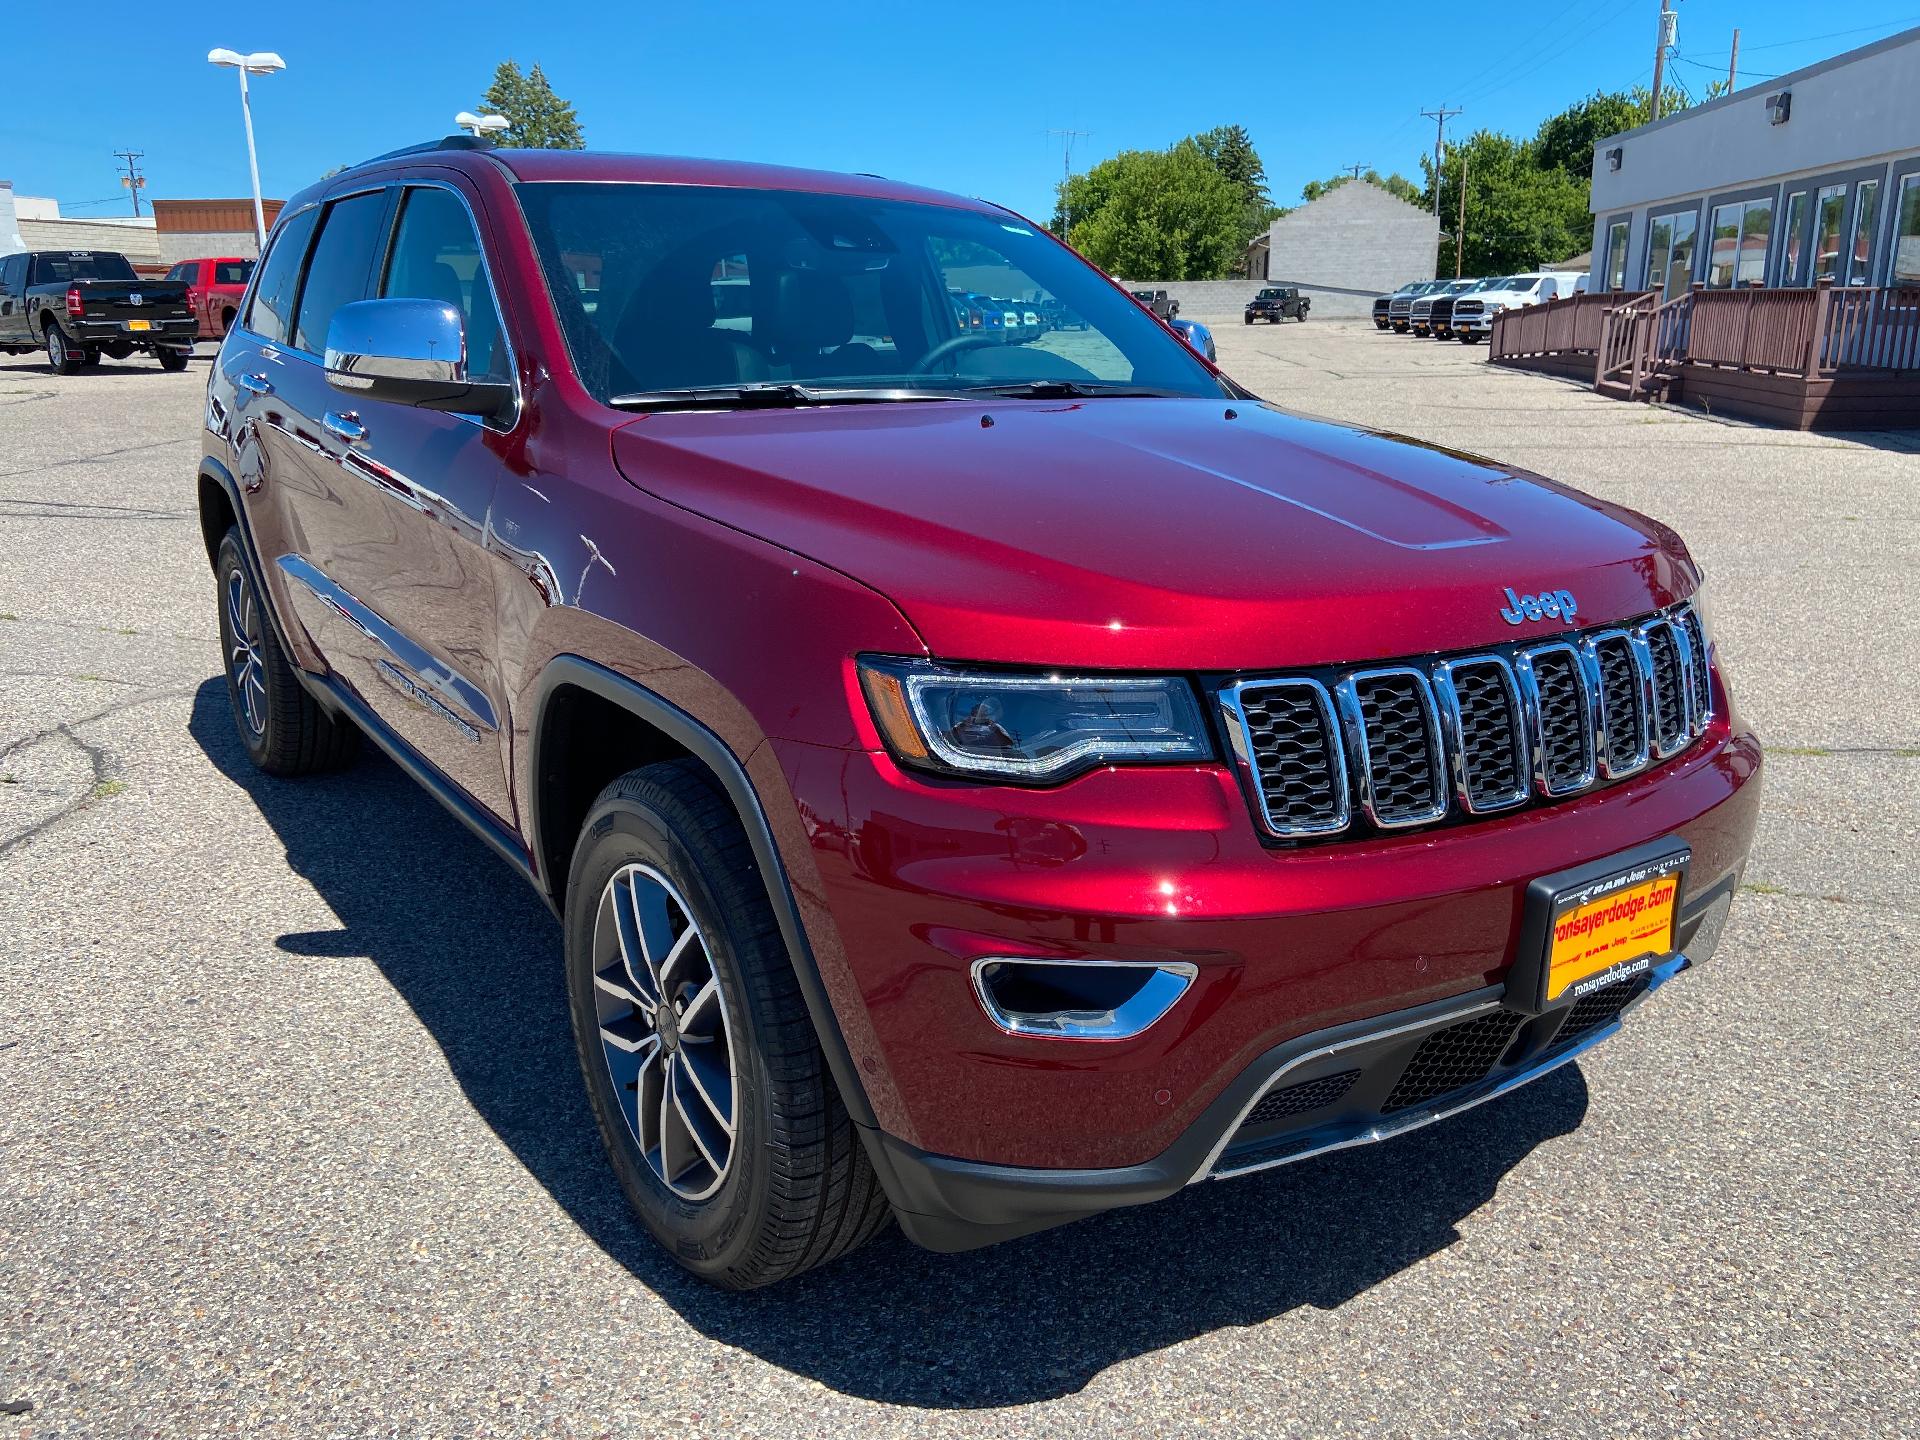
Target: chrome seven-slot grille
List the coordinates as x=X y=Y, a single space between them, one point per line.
x=1408 y=745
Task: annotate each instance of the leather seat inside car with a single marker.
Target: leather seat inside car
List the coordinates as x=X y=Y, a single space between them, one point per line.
x=813 y=323
x=666 y=339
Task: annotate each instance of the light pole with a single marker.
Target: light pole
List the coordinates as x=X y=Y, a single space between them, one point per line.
x=260 y=62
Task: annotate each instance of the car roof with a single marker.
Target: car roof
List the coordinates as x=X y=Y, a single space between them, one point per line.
x=535 y=166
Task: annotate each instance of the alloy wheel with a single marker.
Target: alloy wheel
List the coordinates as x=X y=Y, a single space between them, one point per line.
x=665 y=1032
x=56 y=348
x=244 y=662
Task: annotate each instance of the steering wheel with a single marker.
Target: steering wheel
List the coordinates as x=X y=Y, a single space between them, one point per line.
x=948 y=347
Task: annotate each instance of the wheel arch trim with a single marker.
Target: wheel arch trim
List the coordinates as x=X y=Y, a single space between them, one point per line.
x=707 y=747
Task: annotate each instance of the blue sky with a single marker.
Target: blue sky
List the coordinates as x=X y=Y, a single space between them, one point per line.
x=959 y=98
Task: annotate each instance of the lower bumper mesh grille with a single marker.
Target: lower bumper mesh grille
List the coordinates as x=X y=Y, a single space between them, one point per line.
x=1598 y=1008
x=1298 y=1099
x=1452 y=1058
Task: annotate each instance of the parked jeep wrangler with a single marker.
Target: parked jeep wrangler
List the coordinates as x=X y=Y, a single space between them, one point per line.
x=1277 y=303
x=980 y=782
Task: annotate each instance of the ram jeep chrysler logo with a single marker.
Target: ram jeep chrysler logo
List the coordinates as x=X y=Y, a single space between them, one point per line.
x=134 y=297
x=1547 y=605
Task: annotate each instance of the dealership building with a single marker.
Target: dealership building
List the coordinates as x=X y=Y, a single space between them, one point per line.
x=1809 y=176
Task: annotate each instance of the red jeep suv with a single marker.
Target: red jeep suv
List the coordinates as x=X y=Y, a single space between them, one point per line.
x=982 y=782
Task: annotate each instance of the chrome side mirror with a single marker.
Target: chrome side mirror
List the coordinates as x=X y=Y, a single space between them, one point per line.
x=408 y=352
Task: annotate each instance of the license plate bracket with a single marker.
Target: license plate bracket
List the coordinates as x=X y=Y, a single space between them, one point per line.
x=1598 y=923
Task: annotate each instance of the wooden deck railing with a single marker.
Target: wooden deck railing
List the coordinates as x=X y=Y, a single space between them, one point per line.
x=1814 y=333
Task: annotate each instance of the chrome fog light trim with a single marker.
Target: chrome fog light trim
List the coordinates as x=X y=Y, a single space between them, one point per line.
x=1121 y=997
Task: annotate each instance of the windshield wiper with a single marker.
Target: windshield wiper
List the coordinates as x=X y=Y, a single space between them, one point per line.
x=772 y=395
x=1071 y=390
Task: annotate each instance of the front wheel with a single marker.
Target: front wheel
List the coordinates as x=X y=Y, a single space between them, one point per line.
x=63 y=356
x=702 y=1067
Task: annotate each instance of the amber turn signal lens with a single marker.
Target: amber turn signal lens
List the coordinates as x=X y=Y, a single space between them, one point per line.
x=888 y=700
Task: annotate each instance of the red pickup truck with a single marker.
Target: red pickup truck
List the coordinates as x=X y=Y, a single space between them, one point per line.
x=214 y=288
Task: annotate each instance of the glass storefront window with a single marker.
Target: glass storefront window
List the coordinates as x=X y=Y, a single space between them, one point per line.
x=1791 y=250
x=1724 y=257
x=1756 y=233
x=1829 y=210
x=1866 y=211
x=1905 y=266
x=1617 y=255
x=1670 y=242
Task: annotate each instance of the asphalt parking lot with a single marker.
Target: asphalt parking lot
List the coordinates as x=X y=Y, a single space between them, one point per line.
x=292 y=1141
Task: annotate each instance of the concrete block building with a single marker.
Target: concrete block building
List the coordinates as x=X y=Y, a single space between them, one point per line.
x=1352 y=244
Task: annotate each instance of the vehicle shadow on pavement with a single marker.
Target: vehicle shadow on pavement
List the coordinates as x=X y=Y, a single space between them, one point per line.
x=477 y=957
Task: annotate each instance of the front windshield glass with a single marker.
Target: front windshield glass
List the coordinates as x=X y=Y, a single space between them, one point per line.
x=678 y=287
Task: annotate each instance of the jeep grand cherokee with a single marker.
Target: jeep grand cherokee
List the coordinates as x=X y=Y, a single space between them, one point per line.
x=981 y=781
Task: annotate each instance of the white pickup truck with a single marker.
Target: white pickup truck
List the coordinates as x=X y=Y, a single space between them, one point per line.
x=1473 y=314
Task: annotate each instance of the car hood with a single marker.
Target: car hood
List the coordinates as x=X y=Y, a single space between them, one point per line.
x=1158 y=533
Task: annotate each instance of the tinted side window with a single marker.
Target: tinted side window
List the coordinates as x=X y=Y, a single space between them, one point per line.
x=341 y=266
x=436 y=256
x=232 y=272
x=271 y=314
x=13 y=274
x=182 y=271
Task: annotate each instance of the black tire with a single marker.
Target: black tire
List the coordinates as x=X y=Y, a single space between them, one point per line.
x=293 y=735
x=174 y=360
x=797 y=1189
x=63 y=356
x=90 y=356
x=226 y=321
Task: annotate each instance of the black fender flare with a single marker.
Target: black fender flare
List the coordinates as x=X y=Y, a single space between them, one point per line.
x=717 y=756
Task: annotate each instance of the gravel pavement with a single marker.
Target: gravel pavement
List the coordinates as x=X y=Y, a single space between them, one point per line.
x=292 y=1141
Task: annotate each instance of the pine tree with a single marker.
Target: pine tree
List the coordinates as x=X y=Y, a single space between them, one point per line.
x=537 y=118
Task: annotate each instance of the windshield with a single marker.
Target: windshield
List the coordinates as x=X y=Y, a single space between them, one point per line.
x=680 y=287
x=60 y=268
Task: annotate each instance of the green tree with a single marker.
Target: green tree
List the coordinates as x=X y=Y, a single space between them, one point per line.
x=1229 y=149
x=1157 y=215
x=537 y=118
x=1520 y=214
x=1565 y=141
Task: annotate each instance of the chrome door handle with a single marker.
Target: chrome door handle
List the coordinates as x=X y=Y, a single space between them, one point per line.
x=257 y=384
x=345 y=426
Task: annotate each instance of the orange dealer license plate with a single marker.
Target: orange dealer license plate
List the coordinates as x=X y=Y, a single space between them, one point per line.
x=139 y=324
x=1612 y=927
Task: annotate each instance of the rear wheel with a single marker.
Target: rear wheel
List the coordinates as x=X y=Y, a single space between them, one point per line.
x=702 y=1067
x=283 y=727
x=173 y=359
x=63 y=356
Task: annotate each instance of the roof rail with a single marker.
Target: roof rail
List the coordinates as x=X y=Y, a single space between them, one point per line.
x=445 y=142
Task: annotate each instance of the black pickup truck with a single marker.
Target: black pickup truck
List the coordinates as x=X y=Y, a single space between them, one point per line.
x=1276 y=303
x=82 y=304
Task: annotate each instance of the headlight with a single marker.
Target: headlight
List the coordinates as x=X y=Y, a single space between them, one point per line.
x=1029 y=727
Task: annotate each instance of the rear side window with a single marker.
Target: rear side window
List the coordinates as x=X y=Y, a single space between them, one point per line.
x=271 y=314
x=436 y=256
x=341 y=266
x=232 y=272
x=182 y=271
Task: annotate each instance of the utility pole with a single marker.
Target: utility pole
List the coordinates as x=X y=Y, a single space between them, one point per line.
x=1353 y=170
x=1439 y=118
x=1066 y=175
x=133 y=180
x=1667 y=22
x=1733 y=61
x=1460 y=230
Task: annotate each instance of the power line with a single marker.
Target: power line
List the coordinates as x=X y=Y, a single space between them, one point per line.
x=1836 y=34
x=1721 y=69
